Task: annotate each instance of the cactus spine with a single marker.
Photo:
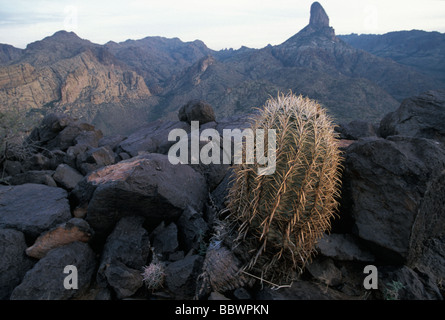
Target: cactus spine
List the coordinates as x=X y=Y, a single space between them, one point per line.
x=277 y=219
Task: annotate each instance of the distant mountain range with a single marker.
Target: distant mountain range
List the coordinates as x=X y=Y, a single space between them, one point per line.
x=120 y=86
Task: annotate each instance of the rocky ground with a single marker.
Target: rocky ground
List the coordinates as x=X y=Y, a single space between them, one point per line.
x=112 y=205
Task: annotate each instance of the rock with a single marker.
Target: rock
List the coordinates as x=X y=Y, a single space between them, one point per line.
x=196 y=110
x=242 y=294
x=152 y=138
x=14 y=263
x=67 y=177
x=165 y=239
x=12 y=168
x=73 y=230
x=402 y=283
x=356 y=129
x=34 y=176
x=95 y=158
x=318 y=18
x=45 y=281
x=89 y=138
x=125 y=253
x=427 y=243
x=325 y=271
x=386 y=180
x=301 y=290
x=112 y=141
x=148 y=185
x=66 y=137
x=180 y=278
x=125 y=281
x=192 y=229
x=217 y=296
x=33 y=208
x=342 y=247
x=48 y=129
x=422 y=116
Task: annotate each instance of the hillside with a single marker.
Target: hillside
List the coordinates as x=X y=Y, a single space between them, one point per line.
x=424 y=51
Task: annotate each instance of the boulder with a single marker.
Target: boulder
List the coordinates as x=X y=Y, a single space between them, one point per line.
x=73 y=230
x=192 y=229
x=48 y=129
x=385 y=181
x=112 y=141
x=403 y=283
x=165 y=239
x=356 y=129
x=152 y=138
x=67 y=137
x=181 y=276
x=13 y=263
x=422 y=116
x=196 y=110
x=67 y=177
x=343 y=247
x=45 y=281
x=95 y=158
x=125 y=253
x=33 y=208
x=12 y=168
x=427 y=243
x=34 y=176
x=148 y=185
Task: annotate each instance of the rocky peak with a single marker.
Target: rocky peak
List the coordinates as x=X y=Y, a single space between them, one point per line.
x=319 y=18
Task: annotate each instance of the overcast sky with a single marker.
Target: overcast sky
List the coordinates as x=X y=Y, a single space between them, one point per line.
x=219 y=23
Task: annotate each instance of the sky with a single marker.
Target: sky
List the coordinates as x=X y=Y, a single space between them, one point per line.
x=220 y=24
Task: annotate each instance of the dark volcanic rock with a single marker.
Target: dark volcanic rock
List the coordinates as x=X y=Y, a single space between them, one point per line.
x=386 y=180
x=196 y=110
x=148 y=185
x=192 y=228
x=356 y=129
x=403 y=283
x=180 y=276
x=422 y=116
x=427 y=247
x=33 y=176
x=45 y=281
x=165 y=239
x=33 y=208
x=343 y=247
x=13 y=263
x=125 y=253
x=152 y=138
x=67 y=177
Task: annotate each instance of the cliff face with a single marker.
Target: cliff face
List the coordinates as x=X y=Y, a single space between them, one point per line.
x=68 y=76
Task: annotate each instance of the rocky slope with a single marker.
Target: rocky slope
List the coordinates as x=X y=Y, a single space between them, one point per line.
x=421 y=50
x=113 y=205
x=151 y=78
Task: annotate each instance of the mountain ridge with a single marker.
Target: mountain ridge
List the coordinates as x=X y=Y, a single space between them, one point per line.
x=153 y=77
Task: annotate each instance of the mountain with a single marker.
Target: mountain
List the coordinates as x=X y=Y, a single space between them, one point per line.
x=152 y=78
x=424 y=51
x=351 y=83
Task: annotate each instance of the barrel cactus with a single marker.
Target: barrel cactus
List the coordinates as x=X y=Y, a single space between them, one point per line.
x=275 y=220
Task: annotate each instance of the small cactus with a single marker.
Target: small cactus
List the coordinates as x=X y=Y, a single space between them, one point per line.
x=277 y=219
x=153 y=275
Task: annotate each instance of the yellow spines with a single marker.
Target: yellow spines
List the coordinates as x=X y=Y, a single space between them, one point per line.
x=279 y=217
